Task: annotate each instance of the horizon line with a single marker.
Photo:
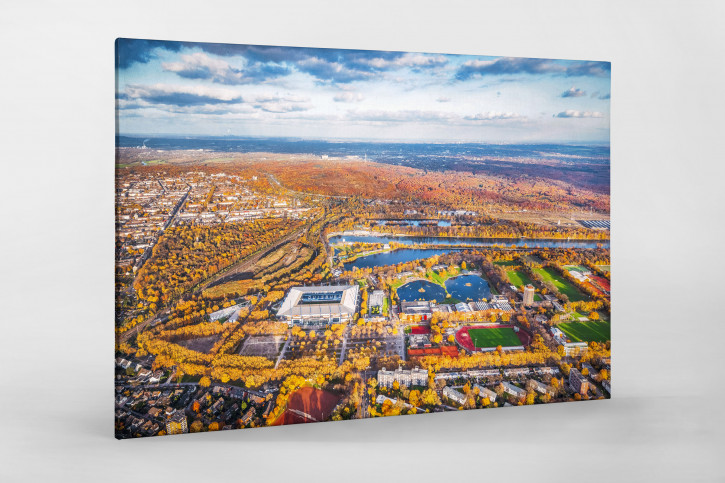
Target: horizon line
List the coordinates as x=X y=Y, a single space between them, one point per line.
x=359 y=140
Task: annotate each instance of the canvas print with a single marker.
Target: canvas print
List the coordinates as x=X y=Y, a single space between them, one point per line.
x=308 y=234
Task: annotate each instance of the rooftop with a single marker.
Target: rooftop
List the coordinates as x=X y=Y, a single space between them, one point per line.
x=319 y=300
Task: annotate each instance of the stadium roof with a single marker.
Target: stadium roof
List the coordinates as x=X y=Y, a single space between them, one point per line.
x=319 y=301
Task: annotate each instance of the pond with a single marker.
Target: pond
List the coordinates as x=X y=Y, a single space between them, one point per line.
x=468 y=287
x=421 y=290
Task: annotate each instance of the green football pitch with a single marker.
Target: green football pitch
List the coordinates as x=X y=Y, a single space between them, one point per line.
x=493 y=337
x=587 y=331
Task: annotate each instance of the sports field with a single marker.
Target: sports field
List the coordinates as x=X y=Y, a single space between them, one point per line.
x=518 y=278
x=576 y=268
x=561 y=285
x=493 y=337
x=599 y=331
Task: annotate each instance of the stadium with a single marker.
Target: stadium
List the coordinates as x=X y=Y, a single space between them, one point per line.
x=320 y=305
x=485 y=338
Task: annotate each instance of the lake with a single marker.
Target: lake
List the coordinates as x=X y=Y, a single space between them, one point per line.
x=468 y=287
x=394 y=257
x=421 y=290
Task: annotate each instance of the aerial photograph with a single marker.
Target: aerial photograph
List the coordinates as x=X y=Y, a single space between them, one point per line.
x=308 y=234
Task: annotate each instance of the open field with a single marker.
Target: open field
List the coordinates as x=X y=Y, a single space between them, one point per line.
x=507 y=263
x=200 y=344
x=435 y=277
x=518 y=278
x=493 y=337
x=591 y=331
x=561 y=285
x=489 y=337
x=262 y=345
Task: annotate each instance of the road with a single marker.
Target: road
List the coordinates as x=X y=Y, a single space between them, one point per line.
x=284 y=349
x=364 y=403
x=174 y=212
x=179 y=385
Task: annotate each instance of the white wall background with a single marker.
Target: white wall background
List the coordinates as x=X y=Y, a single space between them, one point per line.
x=56 y=289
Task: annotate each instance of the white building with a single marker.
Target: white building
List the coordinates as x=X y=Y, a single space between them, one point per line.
x=414 y=377
x=516 y=371
x=381 y=400
x=542 y=388
x=230 y=313
x=454 y=395
x=515 y=391
x=376 y=300
x=486 y=392
x=578 y=382
x=528 y=295
x=176 y=423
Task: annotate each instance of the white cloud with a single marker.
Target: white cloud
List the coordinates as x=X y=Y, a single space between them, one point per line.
x=421 y=116
x=281 y=104
x=181 y=94
x=399 y=116
x=479 y=64
x=573 y=92
x=201 y=66
x=407 y=60
x=573 y=113
x=493 y=116
x=348 y=97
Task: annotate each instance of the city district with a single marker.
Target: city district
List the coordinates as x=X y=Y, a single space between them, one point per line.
x=253 y=294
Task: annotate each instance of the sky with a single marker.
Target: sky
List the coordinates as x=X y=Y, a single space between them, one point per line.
x=204 y=89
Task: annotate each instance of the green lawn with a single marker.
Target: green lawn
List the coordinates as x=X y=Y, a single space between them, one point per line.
x=518 y=278
x=591 y=331
x=451 y=300
x=507 y=263
x=563 y=286
x=606 y=268
x=505 y=337
x=397 y=283
x=188 y=378
x=435 y=277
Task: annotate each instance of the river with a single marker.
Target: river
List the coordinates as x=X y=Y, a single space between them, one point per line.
x=410 y=254
x=470 y=242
